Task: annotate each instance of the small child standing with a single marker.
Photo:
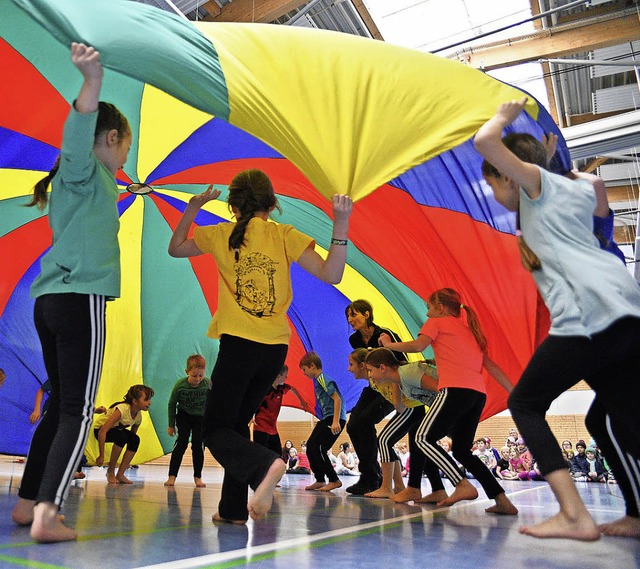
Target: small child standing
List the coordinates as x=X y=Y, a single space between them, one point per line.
x=186 y=408
x=327 y=430
x=112 y=427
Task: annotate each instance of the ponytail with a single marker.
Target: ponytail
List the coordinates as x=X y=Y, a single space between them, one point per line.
x=476 y=329
x=40 y=197
x=450 y=299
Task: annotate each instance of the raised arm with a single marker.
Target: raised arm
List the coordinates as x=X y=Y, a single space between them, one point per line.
x=330 y=270
x=180 y=245
x=488 y=142
x=602 y=201
x=87 y=60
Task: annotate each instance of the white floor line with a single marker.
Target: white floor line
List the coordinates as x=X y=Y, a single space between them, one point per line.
x=250 y=551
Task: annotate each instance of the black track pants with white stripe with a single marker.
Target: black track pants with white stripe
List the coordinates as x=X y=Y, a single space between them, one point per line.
x=71 y=328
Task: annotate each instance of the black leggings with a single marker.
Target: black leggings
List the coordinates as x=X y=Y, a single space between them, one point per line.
x=370 y=409
x=121 y=437
x=272 y=442
x=608 y=362
x=71 y=328
x=320 y=441
x=242 y=376
x=188 y=426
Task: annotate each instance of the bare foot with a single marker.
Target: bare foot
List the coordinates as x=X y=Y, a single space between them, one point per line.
x=503 y=506
x=217 y=518
x=582 y=528
x=463 y=491
x=47 y=526
x=260 y=503
x=122 y=479
x=111 y=478
x=171 y=481
x=624 y=527
x=315 y=486
x=199 y=482
x=409 y=494
x=79 y=475
x=23 y=512
x=331 y=486
x=380 y=493
x=433 y=498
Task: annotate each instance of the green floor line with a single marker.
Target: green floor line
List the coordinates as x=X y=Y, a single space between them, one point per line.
x=30 y=562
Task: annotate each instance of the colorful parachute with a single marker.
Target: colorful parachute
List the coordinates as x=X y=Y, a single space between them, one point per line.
x=321 y=113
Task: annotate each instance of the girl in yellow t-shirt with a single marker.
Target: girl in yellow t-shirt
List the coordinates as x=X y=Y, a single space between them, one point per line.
x=253 y=258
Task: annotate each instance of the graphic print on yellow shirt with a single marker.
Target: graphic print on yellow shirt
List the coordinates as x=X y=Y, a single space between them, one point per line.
x=254 y=282
x=255 y=288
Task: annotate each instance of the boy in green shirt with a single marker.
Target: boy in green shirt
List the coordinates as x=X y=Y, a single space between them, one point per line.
x=186 y=408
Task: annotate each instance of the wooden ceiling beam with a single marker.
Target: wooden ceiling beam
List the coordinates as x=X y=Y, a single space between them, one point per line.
x=367 y=19
x=575 y=37
x=263 y=11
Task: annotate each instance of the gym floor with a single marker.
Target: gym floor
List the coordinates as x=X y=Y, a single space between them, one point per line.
x=149 y=525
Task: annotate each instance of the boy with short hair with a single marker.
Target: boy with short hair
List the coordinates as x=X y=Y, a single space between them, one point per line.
x=186 y=408
x=327 y=430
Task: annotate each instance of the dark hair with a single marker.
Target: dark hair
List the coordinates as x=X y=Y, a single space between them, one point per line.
x=311 y=358
x=382 y=356
x=451 y=300
x=360 y=306
x=136 y=391
x=250 y=192
x=344 y=446
x=109 y=118
x=196 y=360
x=528 y=149
x=284 y=369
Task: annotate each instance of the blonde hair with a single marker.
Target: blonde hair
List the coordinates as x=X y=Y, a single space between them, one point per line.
x=450 y=299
